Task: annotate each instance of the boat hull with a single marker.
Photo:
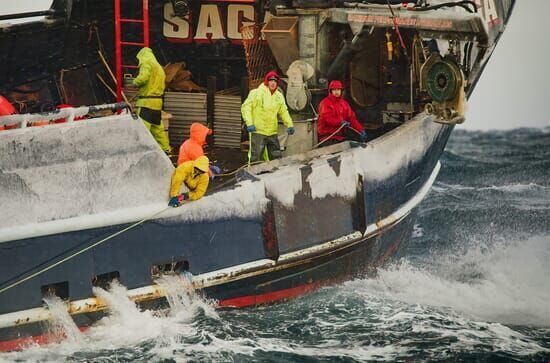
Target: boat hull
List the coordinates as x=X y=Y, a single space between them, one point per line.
x=357 y=259
x=340 y=213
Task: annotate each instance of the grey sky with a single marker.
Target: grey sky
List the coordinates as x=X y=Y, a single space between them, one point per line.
x=513 y=89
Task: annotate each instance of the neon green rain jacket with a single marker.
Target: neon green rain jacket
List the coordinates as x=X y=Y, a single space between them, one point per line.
x=261 y=109
x=150 y=80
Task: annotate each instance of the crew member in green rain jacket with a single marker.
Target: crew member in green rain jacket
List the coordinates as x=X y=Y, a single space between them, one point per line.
x=150 y=82
x=260 y=112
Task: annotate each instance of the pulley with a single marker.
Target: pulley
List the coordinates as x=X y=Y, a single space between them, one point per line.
x=443 y=80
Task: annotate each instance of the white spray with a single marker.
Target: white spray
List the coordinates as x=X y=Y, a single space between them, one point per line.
x=61 y=323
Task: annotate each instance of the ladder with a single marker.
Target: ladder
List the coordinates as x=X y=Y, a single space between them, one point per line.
x=120 y=42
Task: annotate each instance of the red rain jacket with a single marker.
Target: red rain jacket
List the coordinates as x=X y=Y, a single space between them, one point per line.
x=332 y=111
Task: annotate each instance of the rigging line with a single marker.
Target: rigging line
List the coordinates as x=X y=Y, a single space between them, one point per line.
x=47 y=268
x=463 y=4
x=334 y=133
x=396 y=26
x=240 y=168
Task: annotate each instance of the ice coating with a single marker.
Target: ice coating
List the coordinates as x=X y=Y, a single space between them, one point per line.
x=79 y=169
x=109 y=171
x=246 y=200
x=284 y=184
x=397 y=149
x=324 y=180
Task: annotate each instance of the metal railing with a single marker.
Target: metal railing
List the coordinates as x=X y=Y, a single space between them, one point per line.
x=69 y=114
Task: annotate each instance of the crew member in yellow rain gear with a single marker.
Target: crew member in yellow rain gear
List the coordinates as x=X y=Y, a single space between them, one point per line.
x=260 y=111
x=150 y=82
x=194 y=174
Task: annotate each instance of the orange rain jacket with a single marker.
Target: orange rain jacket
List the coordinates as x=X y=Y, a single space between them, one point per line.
x=191 y=149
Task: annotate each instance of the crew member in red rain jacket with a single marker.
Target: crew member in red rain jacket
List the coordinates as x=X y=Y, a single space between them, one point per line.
x=192 y=148
x=335 y=112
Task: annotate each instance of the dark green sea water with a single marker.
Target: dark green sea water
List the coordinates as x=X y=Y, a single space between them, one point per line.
x=472 y=284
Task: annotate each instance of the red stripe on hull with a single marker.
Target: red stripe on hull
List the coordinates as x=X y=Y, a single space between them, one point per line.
x=238 y=302
x=251 y=300
x=22 y=343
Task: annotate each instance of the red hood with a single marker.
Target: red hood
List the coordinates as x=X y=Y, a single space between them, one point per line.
x=198 y=133
x=271 y=74
x=6 y=108
x=335 y=84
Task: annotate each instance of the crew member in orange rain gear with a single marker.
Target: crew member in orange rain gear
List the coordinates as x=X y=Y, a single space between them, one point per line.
x=192 y=148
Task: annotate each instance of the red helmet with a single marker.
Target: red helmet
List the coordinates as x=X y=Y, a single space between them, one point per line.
x=336 y=84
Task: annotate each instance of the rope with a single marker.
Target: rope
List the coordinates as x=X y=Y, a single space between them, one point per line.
x=47 y=268
x=240 y=168
x=463 y=4
x=314 y=146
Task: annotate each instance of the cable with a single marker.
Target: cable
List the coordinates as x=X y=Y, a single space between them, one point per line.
x=239 y=168
x=463 y=4
x=334 y=133
x=39 y=272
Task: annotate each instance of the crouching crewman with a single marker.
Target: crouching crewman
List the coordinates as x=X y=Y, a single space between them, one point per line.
x=194 y=174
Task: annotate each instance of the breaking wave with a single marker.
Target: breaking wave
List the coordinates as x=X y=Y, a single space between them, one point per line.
x=506 y=283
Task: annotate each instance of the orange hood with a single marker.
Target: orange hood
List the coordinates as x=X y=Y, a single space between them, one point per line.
x=198 y=133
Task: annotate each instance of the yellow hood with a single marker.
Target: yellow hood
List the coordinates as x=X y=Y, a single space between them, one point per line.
x=202 y=163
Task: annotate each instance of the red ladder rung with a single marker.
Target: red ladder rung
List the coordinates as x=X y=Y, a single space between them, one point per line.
x=133 y=43
x=132 y=20
x=119 y=20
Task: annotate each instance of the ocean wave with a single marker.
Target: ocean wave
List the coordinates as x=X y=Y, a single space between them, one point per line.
x=511 y=188
x=505 y=283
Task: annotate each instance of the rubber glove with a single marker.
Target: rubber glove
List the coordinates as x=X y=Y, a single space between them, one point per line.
x=290 y=131
x=177 y=201
x=363 y=135
x=215 y=170
x=344 y=123
x=251 y=128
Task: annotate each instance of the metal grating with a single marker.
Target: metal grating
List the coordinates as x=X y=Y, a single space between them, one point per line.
x=259 y=58
x=185 y=108
x=227 y=121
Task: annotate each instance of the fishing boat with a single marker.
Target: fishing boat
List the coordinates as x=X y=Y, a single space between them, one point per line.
x=84 y=189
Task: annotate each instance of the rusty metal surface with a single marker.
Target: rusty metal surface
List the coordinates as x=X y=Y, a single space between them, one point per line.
x=259 y=58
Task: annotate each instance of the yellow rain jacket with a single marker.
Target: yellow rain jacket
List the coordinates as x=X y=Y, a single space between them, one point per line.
x=150 y=80
x=261 y=109
x=197 y=184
